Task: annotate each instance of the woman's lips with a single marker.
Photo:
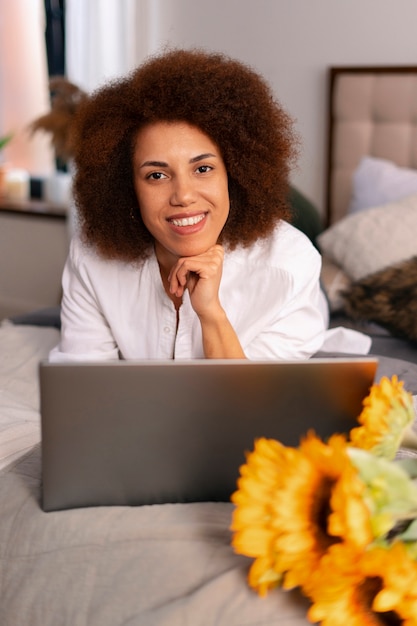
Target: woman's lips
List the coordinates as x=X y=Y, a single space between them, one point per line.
x=187 y=223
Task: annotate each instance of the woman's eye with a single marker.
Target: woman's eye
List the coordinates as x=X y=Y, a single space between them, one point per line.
x=156 y=176
x=204 y=168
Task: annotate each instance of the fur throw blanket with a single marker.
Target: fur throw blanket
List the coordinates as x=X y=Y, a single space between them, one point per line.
x=388 y=297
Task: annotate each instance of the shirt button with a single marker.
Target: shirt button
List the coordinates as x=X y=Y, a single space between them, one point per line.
x=167 y=330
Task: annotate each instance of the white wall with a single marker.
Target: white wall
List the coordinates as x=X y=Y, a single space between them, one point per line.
x=293 y=42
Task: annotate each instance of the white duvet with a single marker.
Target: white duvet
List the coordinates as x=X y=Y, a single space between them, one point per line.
x=21 y=349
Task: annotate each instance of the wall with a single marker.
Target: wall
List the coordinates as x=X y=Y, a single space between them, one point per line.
x=293 y=42
x=24 y=85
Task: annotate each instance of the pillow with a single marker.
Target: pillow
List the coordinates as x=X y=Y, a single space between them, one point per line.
x=378 y=181
x=41 y=317
x=305 y=215
x=365 y=242
x=388 y=297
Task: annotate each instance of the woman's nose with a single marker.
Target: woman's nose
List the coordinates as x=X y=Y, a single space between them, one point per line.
x=183 y=192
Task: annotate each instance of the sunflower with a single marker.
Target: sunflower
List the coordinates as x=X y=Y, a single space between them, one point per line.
x=253 y=515
x=375 y=588
x=292 y=504
x=387 y=413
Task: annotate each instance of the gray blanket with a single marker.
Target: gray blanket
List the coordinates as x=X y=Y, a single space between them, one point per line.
x=165 y=565
x=159 y=565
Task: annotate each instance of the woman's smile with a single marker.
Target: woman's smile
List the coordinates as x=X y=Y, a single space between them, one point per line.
x=186 y=224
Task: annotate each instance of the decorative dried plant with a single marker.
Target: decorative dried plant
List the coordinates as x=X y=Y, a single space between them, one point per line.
x=65 y=98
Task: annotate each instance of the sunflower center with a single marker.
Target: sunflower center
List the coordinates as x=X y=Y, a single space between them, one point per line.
x=320 y=512
x=390 y=618
x=366 y=593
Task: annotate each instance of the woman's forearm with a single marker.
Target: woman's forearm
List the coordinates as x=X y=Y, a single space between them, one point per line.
x=220 y=340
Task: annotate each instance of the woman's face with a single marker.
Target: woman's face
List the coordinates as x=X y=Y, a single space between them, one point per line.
x=182 y=189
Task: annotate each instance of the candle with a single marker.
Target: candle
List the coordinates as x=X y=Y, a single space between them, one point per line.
x=57 y=189
x=17 y=184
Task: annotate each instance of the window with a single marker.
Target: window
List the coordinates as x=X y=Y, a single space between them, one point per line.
x=55 y=36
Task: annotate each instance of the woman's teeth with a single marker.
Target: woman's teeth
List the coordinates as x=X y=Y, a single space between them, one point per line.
x=187 y=221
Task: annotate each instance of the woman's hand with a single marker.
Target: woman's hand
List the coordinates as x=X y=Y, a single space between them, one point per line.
x=201 y=275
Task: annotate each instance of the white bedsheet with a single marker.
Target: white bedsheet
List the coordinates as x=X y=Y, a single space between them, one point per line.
x=21 y=349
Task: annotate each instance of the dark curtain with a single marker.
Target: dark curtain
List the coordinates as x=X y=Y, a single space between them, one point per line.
x=55 y=36
x=55 y=46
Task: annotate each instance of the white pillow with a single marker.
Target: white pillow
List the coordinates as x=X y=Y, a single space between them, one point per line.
x=378 y=181
x=368 y=241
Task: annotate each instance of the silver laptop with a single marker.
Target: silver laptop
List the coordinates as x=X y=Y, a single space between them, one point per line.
x=130 y=433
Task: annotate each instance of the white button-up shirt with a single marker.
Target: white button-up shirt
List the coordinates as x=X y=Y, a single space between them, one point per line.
x=270 y=292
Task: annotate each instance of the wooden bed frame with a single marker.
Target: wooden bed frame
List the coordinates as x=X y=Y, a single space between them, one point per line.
x=372 y=111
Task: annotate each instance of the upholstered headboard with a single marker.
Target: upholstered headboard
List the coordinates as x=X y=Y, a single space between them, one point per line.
x=372 y=112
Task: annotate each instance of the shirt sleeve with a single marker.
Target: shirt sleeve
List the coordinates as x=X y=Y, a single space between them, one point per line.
x=296 y=333
x=297 y=315
x=85 y=333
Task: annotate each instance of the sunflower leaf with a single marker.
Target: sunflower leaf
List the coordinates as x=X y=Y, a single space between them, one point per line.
x=390 y=494
x=409 y=466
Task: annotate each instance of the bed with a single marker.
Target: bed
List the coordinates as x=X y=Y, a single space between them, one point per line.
x=173 y=564
x=368 y=244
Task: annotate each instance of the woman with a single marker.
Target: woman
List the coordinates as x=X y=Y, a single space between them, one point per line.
x=185 y=250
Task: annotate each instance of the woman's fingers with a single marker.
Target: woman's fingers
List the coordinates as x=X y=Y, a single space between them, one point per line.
x=201 y=272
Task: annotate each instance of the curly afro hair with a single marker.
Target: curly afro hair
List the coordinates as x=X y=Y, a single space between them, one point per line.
x=225 y=99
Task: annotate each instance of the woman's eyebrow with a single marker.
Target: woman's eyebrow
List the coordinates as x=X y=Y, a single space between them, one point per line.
x=195 y=159
x=201 y=157
x=154 y=164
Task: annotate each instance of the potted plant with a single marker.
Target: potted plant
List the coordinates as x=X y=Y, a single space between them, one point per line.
x=4 y=141
x=58 y=122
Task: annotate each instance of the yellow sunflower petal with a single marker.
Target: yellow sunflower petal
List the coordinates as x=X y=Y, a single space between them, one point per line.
x=386 y=600
x=253 y=541
x=262 y=577
x=350 y=517
x=387 y=412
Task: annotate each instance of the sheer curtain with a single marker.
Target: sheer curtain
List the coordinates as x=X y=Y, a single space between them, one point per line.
x=24 y=93
x=107 y=38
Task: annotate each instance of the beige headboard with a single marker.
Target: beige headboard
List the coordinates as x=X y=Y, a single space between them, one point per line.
x=372 y=112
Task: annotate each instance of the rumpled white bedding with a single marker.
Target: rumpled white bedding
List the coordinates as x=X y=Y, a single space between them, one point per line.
x=21 y=349
x=346 y=340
